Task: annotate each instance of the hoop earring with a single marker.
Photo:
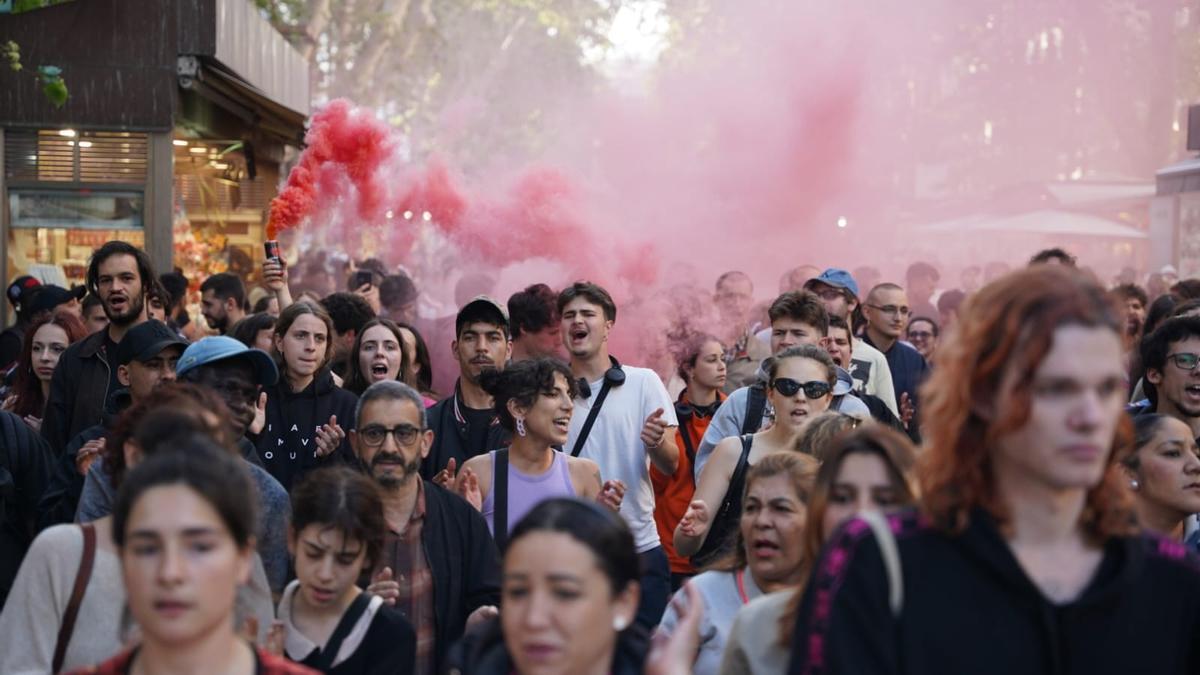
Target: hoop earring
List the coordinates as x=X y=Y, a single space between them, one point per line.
x=520 y=426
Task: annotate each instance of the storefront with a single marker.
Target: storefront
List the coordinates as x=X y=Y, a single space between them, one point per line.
x=1175 y=211
x=181 y=115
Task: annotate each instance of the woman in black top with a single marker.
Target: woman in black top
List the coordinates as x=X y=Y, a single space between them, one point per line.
x=800 y=387
x=1025 y=557
x=330 y=624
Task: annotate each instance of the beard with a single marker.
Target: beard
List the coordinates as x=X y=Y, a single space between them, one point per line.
x=133 y=310
x=392 y=481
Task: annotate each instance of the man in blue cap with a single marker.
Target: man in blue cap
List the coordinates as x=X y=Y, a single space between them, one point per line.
x=237 y=374
x=868 y=366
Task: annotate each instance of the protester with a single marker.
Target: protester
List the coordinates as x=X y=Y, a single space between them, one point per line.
x=570 y=595
x=1053 y=256
x=533 y=403
x=466 y=424
x=398 y=298
x=256 y=331
x=821 y=431
x=800 y=385
x=794 y=279
x=734 y=299
x=378 y=355
x=349 y=313
x=701 y=364
x=948 y=306
x=20 y=294
x=1133 y=301
x=147 y=356
x=887 y=313
x=862 y=471
x=1170 y=355
x=94 y=318
x=306 y=414
x=24 y=472
x=629 y=424
x=119 y=274
x=176 y=286
x=923 y=333
x=872 y=376
x=330 y=624
x=420 y=368
x=842 y=346
x=439 y=565
x=533 y=317
x=970 y=278
x=47 y=339
x=921 y=280
x=188 y=512
x=69 y=587
x=222 y=301
x=768 y=555
x=797 y=318
x=1024 y=514
x=1163 y=468
x=48 y=299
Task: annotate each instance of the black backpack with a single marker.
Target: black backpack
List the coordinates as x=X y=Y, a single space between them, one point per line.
x=756 y=408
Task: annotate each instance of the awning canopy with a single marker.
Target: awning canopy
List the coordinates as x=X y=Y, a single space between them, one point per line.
x=1044 y=222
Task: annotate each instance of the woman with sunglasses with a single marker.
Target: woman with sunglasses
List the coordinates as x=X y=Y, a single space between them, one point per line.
x=800 y=386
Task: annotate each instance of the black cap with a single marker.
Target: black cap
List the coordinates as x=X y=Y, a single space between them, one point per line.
x=18 y=291
x=145 y=341
x=44 y=298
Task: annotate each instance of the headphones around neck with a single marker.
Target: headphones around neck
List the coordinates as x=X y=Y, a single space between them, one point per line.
x=613 y=377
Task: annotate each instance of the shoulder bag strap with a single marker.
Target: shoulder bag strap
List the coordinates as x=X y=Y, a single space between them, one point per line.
x=591 y=418
x=891 y=559
x=82 y=576
x=756 y=406
x=345 y=625
x=500 y=498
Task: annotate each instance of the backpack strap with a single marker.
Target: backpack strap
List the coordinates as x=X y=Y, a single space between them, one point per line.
x=891 y=559
x=756 y=407
x=500 y=497
x=346 y=624
x=591 y=418
x=82 y=576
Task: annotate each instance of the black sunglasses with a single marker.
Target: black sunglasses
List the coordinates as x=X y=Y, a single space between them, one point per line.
x=814 y=389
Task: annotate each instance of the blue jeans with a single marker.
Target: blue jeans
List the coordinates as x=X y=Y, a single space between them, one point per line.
x=656 y=588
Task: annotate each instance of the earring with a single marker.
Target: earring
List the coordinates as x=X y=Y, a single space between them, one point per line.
x=1133 y=484
x=620 y=624
x=520 y=426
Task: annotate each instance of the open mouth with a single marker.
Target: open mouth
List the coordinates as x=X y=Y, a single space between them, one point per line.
x=578 y=334
x=764 y=548
x=379 y=369
x=1193 y=390
x=563 y=424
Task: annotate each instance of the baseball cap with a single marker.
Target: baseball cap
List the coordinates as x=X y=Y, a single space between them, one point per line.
x=481 y=305
x=145 y=341
x=222 y=347
x=19 y=289
x=836 y=277
x=43 y=298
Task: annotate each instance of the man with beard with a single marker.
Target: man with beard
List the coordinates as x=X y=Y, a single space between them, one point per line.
x=465 y=425
x=1133 y=302
x=439 y=566
x=119 y=274
x=222 y=301
x=1172 y=385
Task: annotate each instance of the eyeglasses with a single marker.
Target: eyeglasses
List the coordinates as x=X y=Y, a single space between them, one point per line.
x=920 y=335
x=814 y=389
x=892 y=310
x=1185 y=361
x=375 y=434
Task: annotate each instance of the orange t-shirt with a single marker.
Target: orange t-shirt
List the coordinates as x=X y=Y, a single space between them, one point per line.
x=672 y=494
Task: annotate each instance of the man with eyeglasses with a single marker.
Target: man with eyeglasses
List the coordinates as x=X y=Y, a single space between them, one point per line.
x=439 y=566
x=1172 y=384
x=887 y=312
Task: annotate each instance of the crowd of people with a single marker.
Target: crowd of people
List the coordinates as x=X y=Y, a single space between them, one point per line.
x=878 y=478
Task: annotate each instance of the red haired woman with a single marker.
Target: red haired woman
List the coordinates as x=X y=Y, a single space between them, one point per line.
x=1026 y=557
x=44 y=344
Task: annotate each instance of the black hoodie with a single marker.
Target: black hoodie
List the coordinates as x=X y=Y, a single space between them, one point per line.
x=288 y=443
x=968 y=607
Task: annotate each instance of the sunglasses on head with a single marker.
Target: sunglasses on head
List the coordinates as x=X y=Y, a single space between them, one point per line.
x=814 y=389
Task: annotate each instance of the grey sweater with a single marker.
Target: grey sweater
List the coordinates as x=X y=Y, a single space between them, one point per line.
x=274 y=513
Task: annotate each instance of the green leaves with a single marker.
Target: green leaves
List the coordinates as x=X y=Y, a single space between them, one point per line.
x=53 y=85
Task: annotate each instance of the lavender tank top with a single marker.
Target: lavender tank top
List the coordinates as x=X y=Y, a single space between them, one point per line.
x=525 y=491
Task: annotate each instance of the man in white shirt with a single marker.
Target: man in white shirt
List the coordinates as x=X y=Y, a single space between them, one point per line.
x=624 y=419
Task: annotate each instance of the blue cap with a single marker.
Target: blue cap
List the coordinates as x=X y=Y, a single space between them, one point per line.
x=220 y=348
x=836 y=277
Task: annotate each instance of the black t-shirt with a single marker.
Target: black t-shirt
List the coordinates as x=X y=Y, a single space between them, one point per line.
x=11 y=341
x=478 y=422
